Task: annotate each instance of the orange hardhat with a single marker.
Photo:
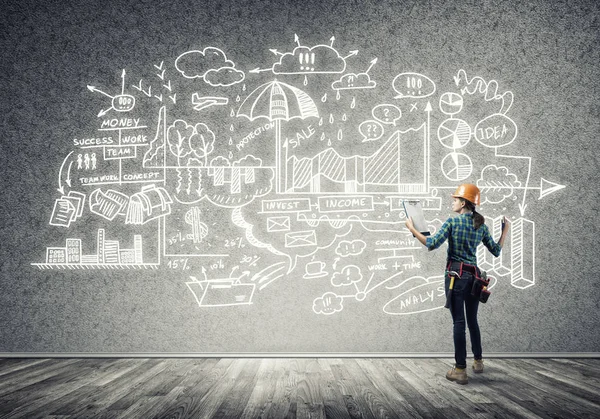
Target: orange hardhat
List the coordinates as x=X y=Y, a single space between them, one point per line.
x=469 y=192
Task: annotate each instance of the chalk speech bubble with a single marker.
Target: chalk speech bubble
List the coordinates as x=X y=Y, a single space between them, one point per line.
x=419 y=295
x=413 y=85
x=370 y=130
x=497 y=130
x=387 y=114
x=123 y=103
x=350 y=248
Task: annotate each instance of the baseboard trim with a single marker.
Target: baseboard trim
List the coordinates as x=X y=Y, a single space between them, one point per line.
x=291 y=355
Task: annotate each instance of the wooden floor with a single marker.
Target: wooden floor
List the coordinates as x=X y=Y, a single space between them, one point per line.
x=295 y=388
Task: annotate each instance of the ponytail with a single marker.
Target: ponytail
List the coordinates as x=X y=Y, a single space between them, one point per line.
x=478 y=219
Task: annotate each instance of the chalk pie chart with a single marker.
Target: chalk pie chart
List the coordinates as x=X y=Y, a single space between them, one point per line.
x=454 y=133
x=451 y=103
x=457 y=166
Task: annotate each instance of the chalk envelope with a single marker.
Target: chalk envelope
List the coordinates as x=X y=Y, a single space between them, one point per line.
x=300 y=238
x=275 y=224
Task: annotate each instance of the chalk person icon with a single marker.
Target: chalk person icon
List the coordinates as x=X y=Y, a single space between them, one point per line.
x=463 y=285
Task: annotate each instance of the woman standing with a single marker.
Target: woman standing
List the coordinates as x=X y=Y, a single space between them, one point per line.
x=464 y=233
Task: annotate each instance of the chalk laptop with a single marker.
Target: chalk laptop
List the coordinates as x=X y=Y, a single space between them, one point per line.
x=413 y=210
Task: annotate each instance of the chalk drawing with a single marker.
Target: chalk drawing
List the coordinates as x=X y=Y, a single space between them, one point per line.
x=221 y=292
x=207 y=101
x=261 y=180
x=315 y=269
x=108 y=255
x=210 y=65
x=413 y=85
x=352 y=81
x=119 y=103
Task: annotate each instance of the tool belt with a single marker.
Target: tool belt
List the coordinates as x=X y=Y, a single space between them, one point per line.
x=481 y=282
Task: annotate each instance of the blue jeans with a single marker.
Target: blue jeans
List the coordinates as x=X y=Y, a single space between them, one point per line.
x=462 y=301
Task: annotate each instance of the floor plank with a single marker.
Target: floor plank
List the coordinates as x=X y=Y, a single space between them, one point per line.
x=335 y=388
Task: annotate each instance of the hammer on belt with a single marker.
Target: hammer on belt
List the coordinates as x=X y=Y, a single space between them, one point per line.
x=453 y=275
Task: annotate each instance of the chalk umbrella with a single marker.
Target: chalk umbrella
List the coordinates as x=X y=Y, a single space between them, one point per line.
x=277 y=101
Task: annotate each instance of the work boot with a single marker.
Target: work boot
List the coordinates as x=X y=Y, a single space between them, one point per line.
x=459 y=375
x=478 y=365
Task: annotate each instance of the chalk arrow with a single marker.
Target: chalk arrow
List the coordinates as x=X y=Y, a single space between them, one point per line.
x=103 y=112
x=204 y=273
x=351 y=54
x=274 y=51
x=139 y=86
x=68 y=180
x=259 y=70
x=332 y=40
x=522 y=207
x=547 y=187
x=296 y=40
x=428 y=109
x=94 y=89
x=285 y=159
x=123 y=82
x=61 y=188
x=373 y=62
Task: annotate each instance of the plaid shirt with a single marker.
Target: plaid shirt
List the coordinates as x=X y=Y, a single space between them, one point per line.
x=463 y=239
